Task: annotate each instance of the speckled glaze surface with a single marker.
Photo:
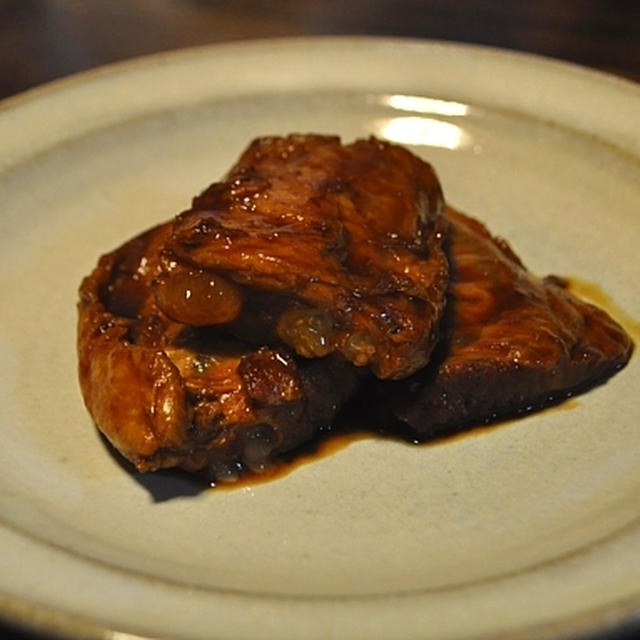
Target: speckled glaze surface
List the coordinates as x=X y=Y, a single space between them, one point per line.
x=527 y=529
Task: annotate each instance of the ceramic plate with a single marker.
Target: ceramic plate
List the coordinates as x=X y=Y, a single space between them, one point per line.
x=530 y=528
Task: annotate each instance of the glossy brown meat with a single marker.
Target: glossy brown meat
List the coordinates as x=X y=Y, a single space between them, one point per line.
x=327 y=248
x=510 y=342
x=166 y=394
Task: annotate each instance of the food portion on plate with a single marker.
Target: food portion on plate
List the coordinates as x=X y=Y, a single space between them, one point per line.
x=169 y=394
x=313 y=273
x=327 y=248
x=509 y=342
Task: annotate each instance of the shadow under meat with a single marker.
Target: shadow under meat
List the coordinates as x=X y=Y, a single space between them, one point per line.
x=162 y=485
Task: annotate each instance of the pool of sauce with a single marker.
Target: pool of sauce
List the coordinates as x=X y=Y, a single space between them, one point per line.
x=323 y=446
x=593 y=293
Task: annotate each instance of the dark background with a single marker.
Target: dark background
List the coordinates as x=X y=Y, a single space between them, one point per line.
x=41 y=40
x=45 y=39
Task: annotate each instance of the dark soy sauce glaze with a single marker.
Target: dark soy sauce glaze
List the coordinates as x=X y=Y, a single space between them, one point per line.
x=357 y=423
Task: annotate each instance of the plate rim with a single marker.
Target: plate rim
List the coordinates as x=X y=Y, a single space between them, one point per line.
x=625 y=137
x=62 y=83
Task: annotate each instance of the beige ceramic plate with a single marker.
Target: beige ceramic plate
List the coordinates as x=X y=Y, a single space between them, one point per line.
x=528 y=529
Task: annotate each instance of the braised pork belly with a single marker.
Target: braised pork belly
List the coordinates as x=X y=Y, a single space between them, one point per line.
x=510 y=342
x=328 y=248
x=312 y=274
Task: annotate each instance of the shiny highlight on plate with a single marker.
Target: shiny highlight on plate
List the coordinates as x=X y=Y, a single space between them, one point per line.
x=420 y=104
x=421 y=130
x=417 y=130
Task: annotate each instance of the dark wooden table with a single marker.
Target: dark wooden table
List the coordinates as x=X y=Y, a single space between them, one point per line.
x=41 y=40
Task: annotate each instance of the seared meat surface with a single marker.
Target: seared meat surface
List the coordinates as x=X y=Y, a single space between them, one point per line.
x=510 y=342
x=238 y=331
x=324 y=247
x=167 y=394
